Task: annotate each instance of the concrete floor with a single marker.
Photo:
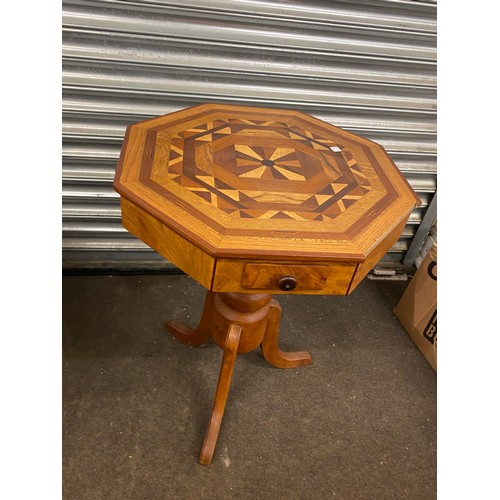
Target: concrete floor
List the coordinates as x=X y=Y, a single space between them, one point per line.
x=359 y=423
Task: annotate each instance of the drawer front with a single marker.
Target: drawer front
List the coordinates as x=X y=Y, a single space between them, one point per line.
x=232 y=275
x=284 y=277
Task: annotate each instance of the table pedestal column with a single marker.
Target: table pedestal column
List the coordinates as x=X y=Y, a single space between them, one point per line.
x=238 y=323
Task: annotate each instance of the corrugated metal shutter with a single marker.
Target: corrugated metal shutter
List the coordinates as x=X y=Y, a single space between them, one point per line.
x=367 y=66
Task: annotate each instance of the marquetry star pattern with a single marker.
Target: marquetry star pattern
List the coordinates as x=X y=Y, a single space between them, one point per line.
x=258 y=162
x=264 y=169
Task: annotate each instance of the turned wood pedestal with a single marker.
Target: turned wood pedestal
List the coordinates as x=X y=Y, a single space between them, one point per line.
x=238 y=323
x=255 y=202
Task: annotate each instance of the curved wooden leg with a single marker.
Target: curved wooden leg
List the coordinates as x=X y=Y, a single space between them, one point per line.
x=270 y=350
x=194 y=337
x=226 y=373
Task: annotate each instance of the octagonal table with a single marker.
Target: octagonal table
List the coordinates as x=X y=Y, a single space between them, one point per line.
x=252 y=202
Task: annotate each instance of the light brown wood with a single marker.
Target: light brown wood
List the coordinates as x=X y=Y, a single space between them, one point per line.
x=238 y=323
x=376 y=254
x=248 y=311
x=178 y=250
x=257 y=183
x=226 y=373
x=270 y=349
x=233 y=275
x=199 y=336
x=252 y=201
x=265 y=276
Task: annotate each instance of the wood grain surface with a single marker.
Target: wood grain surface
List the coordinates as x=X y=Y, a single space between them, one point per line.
x=240 y=183
x=238 y=323
x=234 y=275
x=188 y=257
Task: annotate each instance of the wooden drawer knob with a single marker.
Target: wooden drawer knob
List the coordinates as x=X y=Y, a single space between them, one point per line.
x=287 y=283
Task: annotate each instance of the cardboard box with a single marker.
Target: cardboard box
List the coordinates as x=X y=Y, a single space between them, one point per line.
x=417 y=308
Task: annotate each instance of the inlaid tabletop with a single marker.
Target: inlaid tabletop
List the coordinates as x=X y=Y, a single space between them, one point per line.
x=243 y=176
x=246 y=182
x=253 y=202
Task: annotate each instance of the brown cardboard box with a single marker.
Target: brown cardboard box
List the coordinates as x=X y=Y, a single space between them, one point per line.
x=417 y=308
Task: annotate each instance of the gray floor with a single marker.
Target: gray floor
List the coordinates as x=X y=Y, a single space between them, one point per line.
x=359 y=423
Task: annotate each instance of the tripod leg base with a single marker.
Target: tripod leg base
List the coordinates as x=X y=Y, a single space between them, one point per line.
x=194 y=337
x=270 y=350
x=226 y=373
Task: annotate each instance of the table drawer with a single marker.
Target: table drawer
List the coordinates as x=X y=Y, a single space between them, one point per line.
x=286 y=277
x=233 y=275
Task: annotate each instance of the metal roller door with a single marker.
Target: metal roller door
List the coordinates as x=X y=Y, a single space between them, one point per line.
x=366 y=66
